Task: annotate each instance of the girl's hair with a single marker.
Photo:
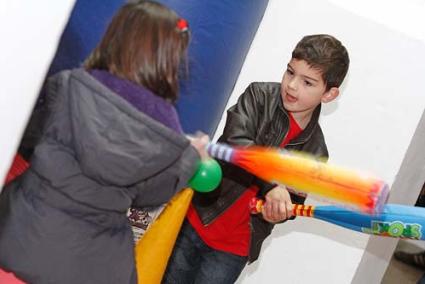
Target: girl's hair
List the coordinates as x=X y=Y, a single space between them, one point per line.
x=145 y=43
x=325 y=53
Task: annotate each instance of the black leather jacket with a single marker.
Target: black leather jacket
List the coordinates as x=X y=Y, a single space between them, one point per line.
x=257 y=118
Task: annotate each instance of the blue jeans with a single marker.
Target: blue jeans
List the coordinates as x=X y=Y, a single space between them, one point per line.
x=422 y=280
x=193 y=261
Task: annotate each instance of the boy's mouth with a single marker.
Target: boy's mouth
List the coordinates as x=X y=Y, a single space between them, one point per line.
x=290 y=98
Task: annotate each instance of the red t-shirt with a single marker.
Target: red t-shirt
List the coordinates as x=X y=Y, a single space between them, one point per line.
x=19 y=166
x=230 y=232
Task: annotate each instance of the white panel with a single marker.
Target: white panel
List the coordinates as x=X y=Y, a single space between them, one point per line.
x=406 y=188
x=30 y=32
x=368 y=128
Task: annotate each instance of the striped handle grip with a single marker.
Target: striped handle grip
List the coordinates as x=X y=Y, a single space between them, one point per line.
x=256 y=205
x=220 y=151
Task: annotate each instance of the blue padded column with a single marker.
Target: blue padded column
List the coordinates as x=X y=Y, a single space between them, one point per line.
x=222 y=32
x=85 y=28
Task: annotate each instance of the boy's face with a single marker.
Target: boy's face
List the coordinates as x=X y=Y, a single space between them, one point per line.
x=303 y=89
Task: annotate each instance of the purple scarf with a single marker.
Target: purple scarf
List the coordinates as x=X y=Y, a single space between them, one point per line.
x=141 y=98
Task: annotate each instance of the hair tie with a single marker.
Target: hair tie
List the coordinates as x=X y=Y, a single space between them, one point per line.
x=182 y=25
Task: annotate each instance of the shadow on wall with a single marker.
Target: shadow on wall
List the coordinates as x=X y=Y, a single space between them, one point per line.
x=312 y=228
x=331 y=107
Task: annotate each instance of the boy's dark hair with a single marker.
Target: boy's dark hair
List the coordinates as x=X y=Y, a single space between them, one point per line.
x=144 y=44
x=325 y=53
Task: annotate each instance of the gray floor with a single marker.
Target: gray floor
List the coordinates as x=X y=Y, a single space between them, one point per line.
x=400 y=273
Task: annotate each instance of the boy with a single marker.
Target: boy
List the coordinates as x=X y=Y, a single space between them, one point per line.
x=220 y=236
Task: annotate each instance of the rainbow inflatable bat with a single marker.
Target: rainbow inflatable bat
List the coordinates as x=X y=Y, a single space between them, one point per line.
x=306 y=174
x=398 y=221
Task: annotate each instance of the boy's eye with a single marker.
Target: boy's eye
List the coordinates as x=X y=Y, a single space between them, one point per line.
x=308 y=83
x=290 y=72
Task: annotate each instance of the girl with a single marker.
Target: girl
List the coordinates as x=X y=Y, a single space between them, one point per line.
x=112 y=140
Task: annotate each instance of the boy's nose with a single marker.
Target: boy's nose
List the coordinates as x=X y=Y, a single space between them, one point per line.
x=293 y=84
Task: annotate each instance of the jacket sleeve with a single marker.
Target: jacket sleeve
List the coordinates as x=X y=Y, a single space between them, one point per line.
x=95 y=142
x=242 y=119
x=115 y=144
x=167 y=182
x=242 y=125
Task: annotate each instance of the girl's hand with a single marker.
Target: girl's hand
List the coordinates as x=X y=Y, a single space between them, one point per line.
x=199 y=142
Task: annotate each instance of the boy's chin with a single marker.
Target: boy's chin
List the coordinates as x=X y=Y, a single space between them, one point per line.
x=290 y=106
x=293 y=108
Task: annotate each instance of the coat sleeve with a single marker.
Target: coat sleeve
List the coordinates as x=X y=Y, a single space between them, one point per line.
x=166 y=183
x=242 y=126
x=95 y=143
x=242 y=119
x=116 y=144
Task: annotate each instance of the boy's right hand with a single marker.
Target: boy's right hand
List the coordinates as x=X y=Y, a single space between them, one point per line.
x=200 y=142
x=278 y=205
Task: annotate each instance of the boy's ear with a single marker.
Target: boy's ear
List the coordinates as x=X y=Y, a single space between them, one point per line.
x=330 y=95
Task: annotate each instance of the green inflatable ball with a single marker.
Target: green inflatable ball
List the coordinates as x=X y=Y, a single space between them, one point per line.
x=207 y=177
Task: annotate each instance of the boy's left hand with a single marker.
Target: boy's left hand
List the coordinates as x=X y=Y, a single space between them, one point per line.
x=278 y=205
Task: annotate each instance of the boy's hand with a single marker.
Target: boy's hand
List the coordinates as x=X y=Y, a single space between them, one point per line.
x=278 y=205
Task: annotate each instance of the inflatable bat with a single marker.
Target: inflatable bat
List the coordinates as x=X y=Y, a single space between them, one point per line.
x=395 y=220
x=304 y=173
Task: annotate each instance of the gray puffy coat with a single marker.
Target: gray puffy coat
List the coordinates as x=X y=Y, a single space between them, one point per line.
x=64 y=220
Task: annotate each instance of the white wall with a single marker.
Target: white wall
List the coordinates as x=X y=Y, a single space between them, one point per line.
x=369 y=127
x=30 y=32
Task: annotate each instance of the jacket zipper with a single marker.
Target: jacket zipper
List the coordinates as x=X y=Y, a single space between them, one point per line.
x=218 y=215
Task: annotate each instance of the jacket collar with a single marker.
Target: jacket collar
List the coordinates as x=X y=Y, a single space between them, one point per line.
x=141 y=98
x=311 y=126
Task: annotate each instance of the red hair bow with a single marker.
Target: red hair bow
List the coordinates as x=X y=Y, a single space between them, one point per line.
x=182 y=25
